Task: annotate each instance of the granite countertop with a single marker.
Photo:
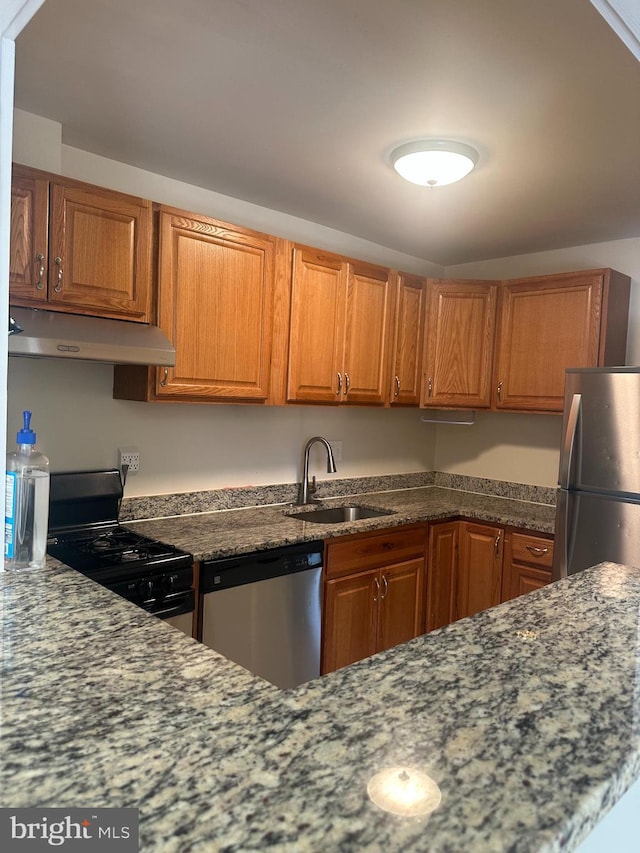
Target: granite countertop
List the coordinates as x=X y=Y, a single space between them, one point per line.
x=209 y=535
x=525 y=715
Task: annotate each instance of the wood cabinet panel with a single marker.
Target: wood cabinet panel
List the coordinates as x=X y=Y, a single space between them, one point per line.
x=550 y=323
x=408 y=340
x=368 y=311
x=442 y=569
x=354 y=553
x=479 y=568
x=215 y=305
x=95 y=247
x=350 y=620
x=400 y=599
x=104 y=243
x=459 y=344
x=372 y=610
x=528 y=561
x=316 y=341
x=339 y=331
x=29 y=238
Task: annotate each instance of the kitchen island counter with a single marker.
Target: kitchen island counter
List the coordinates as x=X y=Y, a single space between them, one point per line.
x=525 y=716
x=210 y=535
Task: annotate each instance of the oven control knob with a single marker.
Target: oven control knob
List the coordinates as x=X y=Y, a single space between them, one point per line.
x=169 y=584
x=145 y=589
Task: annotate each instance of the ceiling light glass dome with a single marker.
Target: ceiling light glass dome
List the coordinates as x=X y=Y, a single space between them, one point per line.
x=434 y=162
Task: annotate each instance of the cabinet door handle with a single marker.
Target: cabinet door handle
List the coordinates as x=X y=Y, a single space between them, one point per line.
x=377 y=583
x=58 y=263
x=347 y=383
x=496 y=544
x=397 y=389
x=429 y=387
x=165 y=376
x=386 y=586
x=537 y=552
x=499 y=390
x=40 y=281
x=339 y=388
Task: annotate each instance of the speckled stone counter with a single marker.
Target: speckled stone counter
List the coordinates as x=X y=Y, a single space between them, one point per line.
x=526 y=716
x=220 y=534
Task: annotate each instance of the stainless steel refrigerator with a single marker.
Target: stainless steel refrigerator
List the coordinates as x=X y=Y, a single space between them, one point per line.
x=598 y=509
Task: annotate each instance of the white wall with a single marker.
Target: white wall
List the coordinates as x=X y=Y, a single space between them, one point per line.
x=190 y=447
x=525 y=448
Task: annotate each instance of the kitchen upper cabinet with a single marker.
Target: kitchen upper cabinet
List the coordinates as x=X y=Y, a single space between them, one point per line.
x=215 y=304
x=479 y=568
x=373 y=595
x=339 y=330
x=442 y=572
x=550 y=323
x=410 y=299
x=528 y=561
x=459 y=341
x=79 y=248
x=29 y=238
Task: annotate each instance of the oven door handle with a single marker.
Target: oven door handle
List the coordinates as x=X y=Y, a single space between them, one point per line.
x=184 y=604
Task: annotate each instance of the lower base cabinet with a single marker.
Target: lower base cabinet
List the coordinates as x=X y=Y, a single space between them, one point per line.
x=475 y=566
x=527 y=564
x=376 y=601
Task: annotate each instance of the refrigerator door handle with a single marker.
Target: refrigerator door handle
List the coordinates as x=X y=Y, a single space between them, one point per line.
x=569 y=442
x=561 y=547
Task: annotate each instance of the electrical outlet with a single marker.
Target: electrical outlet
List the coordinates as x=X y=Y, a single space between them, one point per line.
x=336 y=446
x=129 y=456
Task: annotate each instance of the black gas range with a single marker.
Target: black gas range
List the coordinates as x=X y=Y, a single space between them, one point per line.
x=85 y=534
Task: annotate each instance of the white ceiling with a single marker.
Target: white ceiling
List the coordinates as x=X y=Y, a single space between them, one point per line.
x=297 y=104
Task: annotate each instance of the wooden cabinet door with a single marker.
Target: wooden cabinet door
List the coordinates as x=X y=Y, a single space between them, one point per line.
x=408 y=336
x=215 y=306
x=442 y=573
x=367 y=335
x=350 y=619
x=546 y=325
x=528 y=561
x=316 y=337
x=479 y=568
x=100 y=252
x=459 y=344
x=29 y=239
x=400 y=617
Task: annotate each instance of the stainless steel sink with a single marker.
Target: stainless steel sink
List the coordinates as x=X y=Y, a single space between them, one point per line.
x=337 y=514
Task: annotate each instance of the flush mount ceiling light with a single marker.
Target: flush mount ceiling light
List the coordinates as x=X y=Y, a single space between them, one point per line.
x=434 y=162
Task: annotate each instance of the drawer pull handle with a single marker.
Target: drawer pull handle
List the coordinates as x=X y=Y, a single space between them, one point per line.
x=386 y=586
x=388 y=546
x=538 y=552
x=377 y=583
x=58 y=263
x=40 y=282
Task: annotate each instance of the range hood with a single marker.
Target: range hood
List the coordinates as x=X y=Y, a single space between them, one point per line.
x=55 y=335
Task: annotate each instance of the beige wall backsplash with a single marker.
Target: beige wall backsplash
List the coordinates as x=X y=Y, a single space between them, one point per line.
x=500 y=446
x=191 y=447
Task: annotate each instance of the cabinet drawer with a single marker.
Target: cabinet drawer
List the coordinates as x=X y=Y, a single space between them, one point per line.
x=533 y=550
x=359 y=552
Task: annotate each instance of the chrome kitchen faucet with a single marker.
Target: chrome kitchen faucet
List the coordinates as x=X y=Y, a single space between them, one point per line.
x=307 y=490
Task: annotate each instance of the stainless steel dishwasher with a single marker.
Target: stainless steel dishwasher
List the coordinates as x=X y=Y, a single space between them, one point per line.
x=263 y=611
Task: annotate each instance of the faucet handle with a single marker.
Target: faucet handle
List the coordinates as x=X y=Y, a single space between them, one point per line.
x=312 y=489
